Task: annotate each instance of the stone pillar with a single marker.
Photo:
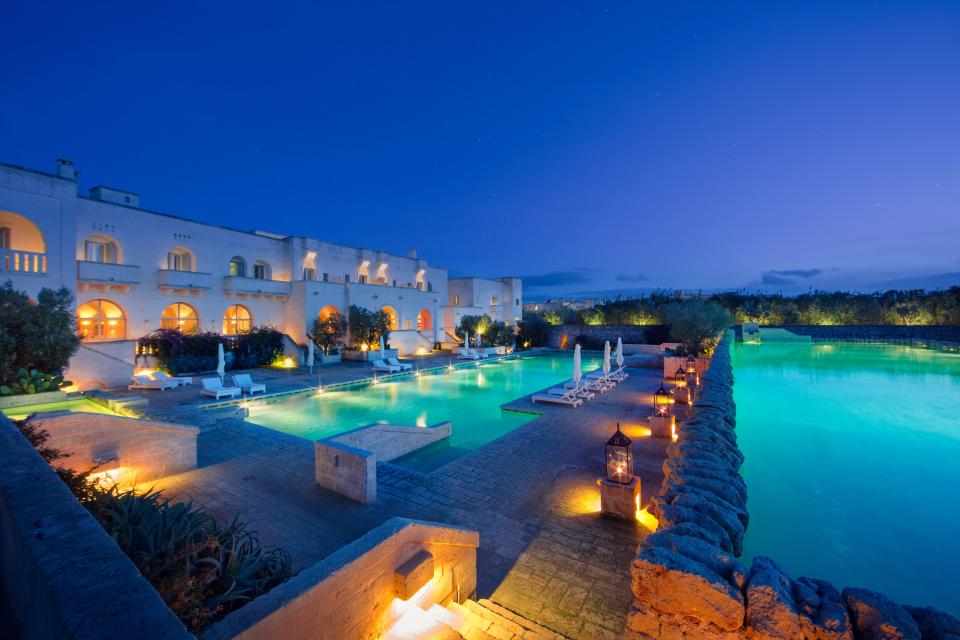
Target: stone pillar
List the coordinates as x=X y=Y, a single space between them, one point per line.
x=620 y=500
x=662 y=426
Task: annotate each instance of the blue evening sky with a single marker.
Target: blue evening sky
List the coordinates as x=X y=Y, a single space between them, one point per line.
x=584 y=146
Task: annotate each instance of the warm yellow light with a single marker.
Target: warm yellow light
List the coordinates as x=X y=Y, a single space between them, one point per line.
x=108 y=478
x=645 y=518
x=145 y=372
x=288 y=362
x=585 y=499
x=421 y=351
x=364 y=347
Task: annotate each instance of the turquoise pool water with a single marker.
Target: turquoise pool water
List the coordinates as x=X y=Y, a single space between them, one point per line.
x=468 y=397
x=853 y=464
x=80 y=405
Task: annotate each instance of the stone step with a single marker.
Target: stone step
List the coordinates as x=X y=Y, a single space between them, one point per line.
x=504 y=624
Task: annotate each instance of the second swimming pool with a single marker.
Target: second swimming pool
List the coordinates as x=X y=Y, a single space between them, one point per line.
x=469 y=397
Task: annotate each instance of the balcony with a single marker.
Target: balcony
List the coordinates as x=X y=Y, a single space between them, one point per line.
x=256 y=287
x=15 y=261
x=106 y=276
x=184 y=281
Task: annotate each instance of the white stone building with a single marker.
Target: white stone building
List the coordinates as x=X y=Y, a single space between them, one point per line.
x=133 y=270
x=499 y=298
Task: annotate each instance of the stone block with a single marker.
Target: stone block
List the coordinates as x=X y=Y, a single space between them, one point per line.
x=771 y=609
x=672 y=583
x=662 y=426
x=413 y=574
x=620 y=500
x=876 y=617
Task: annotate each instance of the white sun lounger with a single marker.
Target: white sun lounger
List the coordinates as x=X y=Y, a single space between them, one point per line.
x=214 y=387
x=178 y=380
x=380 y=365
x=146 y=382
x=247 y=385
x=393 y=362
x=478 y=354
x=582 y=391
x=568 y=399
x=465 y=354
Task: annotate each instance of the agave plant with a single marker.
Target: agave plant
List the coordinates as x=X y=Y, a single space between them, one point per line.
x=33 y=381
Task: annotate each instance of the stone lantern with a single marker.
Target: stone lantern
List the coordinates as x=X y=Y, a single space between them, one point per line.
x=619 y=488
x=680 y=378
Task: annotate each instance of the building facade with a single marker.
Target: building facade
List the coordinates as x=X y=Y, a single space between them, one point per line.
x=499 y=298
x=133 y=271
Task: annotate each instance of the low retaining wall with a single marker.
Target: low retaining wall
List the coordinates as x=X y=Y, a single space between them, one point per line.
x=687 y=581
x=869 y=332
x=61 y=573
x=598 y=333
x=352 y=593
x=27 y=399
x=145 y=449
x=347 y=462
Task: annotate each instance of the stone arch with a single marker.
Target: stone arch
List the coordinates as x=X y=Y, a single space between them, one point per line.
x=182 y=316
x=424 y=320
x=20 y=233
x=393 y=315
x=181 y=259
x=100 y=247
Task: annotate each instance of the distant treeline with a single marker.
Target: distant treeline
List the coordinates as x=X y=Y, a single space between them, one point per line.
x=917 y=307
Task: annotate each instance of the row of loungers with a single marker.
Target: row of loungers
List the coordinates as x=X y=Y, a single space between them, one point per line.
x=160 y=381
x=391 y=365
x=574 y=395
x=471 y=354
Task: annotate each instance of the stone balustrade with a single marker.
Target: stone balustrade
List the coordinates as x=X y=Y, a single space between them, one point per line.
x=687 y=580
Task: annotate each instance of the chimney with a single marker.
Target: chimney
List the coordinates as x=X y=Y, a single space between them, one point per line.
x=65 y=169
x=412 y=254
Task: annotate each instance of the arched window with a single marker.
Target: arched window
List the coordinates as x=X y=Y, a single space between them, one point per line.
x=237 y=320
x=424 y=320
x=101 y=320
x=238 y=267
x=180 y=259
x=181 y=316
x=100 y=248
x=261 y=270
x=394 y=318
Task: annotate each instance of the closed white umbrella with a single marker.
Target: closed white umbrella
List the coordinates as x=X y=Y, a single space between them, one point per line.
x=606 y=358
x=466 y=340
x=577 y=374
x=221 y=362
x=310 y=354
x=381 y=348
x=478 y=338
x=619 y=353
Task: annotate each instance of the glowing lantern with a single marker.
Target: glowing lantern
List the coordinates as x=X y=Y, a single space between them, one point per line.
x=680 y=377
x=661 y=402
x=619 y=452
x=693 y=378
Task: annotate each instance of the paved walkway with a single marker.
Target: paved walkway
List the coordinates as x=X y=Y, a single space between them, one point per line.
x=545 y=551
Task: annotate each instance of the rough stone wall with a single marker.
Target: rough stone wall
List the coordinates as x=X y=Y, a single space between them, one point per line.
x=687 y=581
x=61 y=573
x=631 y=334
x=875 y=332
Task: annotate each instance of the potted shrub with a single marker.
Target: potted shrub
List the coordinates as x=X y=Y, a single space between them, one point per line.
x=327 y=335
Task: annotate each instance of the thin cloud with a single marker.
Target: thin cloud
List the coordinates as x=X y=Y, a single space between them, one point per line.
x=788 y=276
x=623 y=277
x=558 y=278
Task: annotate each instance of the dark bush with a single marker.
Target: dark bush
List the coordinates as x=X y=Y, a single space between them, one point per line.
x=259 y=347
x=178 y=352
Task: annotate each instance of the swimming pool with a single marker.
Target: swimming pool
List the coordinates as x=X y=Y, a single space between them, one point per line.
x=469 y=397
x=79 y=405
x=853 y=464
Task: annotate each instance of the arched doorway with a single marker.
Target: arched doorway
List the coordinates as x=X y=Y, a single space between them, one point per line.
x=101 y=320
x=424 y=320
x=394 y=318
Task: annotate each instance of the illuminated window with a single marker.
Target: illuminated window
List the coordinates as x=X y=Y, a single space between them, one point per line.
x=4 y=237
x=180 y=316
x=309 y=273
x=456 y=299
x=179 y=260
x=236 y=320
x=101 y=320
x=238 y=267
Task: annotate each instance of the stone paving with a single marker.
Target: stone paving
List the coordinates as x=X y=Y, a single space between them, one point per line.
x=545 y=552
